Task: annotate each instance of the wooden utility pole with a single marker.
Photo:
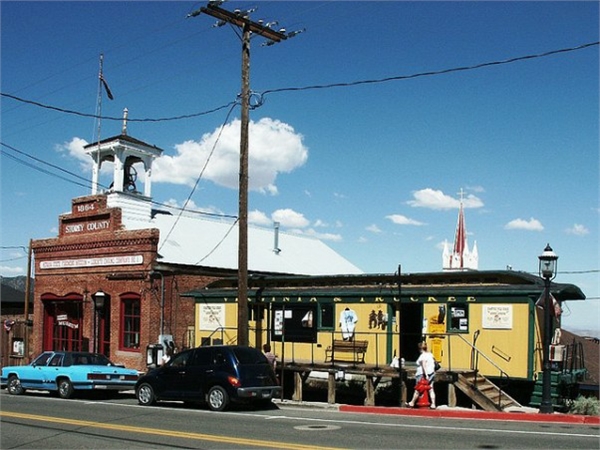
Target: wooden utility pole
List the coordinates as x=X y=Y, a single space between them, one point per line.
x=241 y=19
x=26 y=310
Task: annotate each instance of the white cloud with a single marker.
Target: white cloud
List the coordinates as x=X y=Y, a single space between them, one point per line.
x=578 y=230
x=74 y=149
x=522 y=224
x=54 y=230
x=338 y=224
x=373 y=228
x=290 y=219
x=362 y=240
x=10 y=271
x=275 y=147
x=259 y=218
x=320 y=223
x=399 y=219
x=322 y=236
x=339 y=195
x=436 y=199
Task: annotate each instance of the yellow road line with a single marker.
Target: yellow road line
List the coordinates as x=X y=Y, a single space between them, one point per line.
x=169 y=433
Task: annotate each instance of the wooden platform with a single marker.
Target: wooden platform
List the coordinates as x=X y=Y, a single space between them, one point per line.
x=301 y=370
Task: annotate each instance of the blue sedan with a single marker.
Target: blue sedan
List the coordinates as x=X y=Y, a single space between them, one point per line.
x=66 y=372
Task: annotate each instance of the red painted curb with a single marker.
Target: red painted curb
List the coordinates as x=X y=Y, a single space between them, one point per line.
x=473 y=414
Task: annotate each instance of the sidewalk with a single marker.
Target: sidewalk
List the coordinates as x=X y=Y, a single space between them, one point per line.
x=451 y=413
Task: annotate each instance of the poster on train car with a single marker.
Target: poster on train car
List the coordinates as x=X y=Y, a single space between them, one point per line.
x=497 y=317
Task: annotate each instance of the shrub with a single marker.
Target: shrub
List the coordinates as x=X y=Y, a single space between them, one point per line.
x=588 y=406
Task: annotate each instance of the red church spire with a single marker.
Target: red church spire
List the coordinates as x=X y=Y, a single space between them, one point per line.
x=460 y=237
x=461 y=257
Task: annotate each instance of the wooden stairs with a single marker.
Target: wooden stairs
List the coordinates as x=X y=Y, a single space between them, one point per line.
x=483 y=392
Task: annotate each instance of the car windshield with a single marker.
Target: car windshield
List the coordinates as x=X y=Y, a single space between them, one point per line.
x=248 y=355
x=90 y=359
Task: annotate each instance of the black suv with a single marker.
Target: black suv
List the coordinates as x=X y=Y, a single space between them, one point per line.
x=215 y=375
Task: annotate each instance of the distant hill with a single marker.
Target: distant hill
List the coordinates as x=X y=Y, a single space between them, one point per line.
x=14 y=287
x=17 y=283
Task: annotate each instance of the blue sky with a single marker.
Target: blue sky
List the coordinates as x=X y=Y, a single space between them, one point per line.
x=521 y=139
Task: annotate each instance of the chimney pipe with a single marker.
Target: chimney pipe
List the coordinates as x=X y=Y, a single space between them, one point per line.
x=276 y=248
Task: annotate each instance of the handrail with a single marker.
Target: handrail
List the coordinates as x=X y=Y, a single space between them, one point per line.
x=502 y=372
x=475 y=362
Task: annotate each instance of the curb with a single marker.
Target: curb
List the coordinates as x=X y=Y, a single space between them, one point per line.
x=473 y=414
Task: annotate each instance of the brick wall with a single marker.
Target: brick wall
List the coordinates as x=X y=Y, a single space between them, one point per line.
x=93 y=252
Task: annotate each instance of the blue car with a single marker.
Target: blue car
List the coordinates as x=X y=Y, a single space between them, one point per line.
x=67 y=372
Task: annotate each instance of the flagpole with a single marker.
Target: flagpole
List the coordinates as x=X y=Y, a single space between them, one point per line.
x=99 y=125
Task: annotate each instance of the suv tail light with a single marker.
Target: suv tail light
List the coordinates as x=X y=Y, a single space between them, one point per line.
x=234 y=381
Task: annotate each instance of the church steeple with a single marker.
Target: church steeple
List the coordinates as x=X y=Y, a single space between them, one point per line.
x=460 y=258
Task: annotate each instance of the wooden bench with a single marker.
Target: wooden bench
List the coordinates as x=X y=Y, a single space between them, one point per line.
x=341 y=348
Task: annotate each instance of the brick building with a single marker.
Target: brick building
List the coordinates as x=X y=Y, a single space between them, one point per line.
x=112 y=278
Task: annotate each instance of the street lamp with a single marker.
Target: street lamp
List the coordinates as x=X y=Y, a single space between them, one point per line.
x=99 y=299
x=547 y=270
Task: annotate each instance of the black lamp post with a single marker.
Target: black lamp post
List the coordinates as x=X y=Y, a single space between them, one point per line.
x=547 y=269
x=99 y=299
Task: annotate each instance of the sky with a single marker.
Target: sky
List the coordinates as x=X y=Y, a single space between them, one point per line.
x=374 y=170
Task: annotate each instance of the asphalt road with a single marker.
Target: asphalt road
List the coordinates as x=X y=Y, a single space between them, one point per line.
x=39 y=421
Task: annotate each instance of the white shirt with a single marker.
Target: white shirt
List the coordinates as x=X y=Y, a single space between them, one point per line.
x=426 y=358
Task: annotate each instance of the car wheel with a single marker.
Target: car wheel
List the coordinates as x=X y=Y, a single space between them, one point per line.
x=14 y=386
x=145 y=395
x=218 y=400
x=65 y=388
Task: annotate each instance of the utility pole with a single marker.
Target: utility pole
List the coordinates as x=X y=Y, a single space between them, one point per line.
x=27 y=296
x=241 y=19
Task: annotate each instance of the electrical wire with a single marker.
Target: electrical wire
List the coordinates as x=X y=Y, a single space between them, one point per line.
x=314 y=87
x=42 y=170
x=220 y=242
x=95 y=116
x=88 y=184
x=43 y=162
x=199 y=175
x=431 y=73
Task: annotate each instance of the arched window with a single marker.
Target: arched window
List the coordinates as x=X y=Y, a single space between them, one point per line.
x=129 y=335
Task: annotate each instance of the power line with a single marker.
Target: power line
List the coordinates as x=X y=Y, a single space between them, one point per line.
x=220 y=242
x=431 y=73
x=88 y=183
x=313 y=87
x=114 y=118
x=43 y=162
x=42 y=170
x=199 y=176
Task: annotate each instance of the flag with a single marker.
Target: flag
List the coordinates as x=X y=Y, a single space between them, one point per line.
x=556 y=309
x=105 y=84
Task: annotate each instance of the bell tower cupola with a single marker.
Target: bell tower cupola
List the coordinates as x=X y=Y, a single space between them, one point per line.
x=130 y=157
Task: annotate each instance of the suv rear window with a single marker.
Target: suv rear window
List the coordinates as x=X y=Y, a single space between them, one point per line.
x=249 y=356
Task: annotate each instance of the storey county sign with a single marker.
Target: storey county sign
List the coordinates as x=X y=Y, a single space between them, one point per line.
x=87 y=227
x=128 y=260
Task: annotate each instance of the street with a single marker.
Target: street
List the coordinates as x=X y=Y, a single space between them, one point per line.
x=41 y=421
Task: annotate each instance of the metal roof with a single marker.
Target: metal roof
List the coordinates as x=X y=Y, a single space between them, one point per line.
x=200 y=241
x=486 y=283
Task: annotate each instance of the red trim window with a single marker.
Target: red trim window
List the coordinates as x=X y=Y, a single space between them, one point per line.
x=130 y=322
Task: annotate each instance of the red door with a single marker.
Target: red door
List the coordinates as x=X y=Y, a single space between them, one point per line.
x=104 y=329
x=63 y=322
